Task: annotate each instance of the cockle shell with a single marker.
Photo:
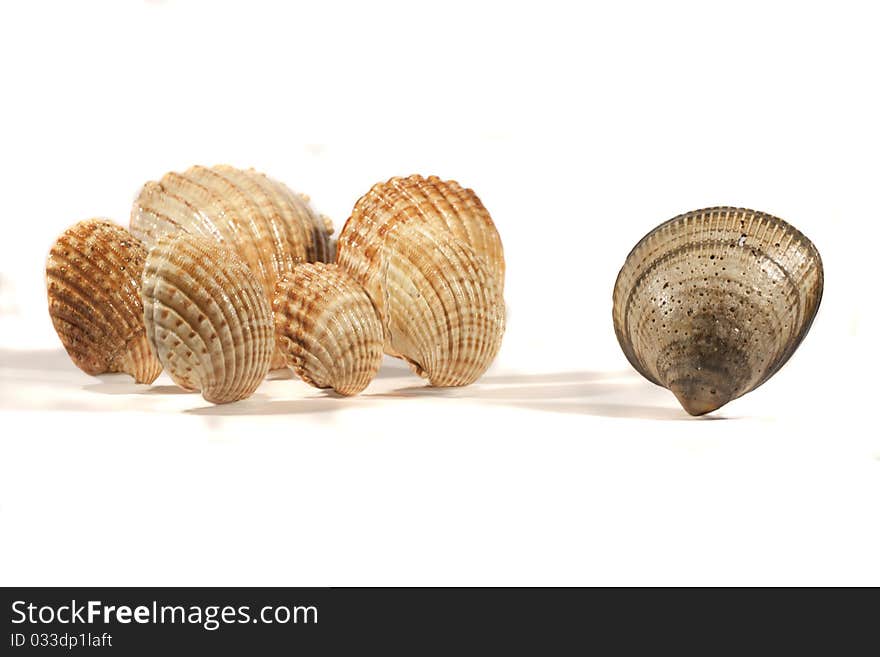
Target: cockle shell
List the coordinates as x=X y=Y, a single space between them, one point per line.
x=207 y=317
x=327 y=326
x=713 y=302
x=270 y=227
x=442 y=204
x=93 y=276
x=438 y=295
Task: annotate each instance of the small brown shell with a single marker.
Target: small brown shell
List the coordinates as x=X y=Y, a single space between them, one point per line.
x=440 y=305
x=93 y=276
x=713 y=302
x=207 y=317
x=271 y=228
x=326 y=325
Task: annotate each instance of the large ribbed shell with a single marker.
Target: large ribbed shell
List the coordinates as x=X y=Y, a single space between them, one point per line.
x=438 y=295
x=327 y=326
x=713 y=302
x=207 y=317
x=270 y=227
x=93 y=276
x=442 y=204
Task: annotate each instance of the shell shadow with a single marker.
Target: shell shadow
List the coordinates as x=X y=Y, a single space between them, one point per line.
x=578 y=392
x=255 y=406
x=110 y=386
x=614 y=394
x=168 y=390
x=624 y=411
x=122 y=384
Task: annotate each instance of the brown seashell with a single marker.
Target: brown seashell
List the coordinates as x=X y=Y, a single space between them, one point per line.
x=442 y=204
x=712 y=303
x=207 y=317
x=326 y=325
x=270 y=227
x=93 y=276
x=440 y=307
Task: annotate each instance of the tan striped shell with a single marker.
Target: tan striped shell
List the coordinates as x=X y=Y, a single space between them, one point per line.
x=439 y=300
x=93 y=276
x=207 y=317
x=442 y=204
x=326 y=325
x=713 y=302
x=270 y=227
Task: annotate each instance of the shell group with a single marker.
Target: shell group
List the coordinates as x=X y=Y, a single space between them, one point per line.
x=93 y=277
x=327 y=328
x=428 y=255
x=207 y=317
x=226 y=274
x=713 y=302
x=270 y=227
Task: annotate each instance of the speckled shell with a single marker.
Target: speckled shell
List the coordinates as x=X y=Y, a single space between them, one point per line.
x=713 y=302
x=270 y=227
x=442 y=204
x=328 y=328
x=207 y=317
x=438 y=299
x=93 y=276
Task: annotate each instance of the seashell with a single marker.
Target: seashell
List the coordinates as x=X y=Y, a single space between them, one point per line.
x=444 y=205
x=712 y=303
x=326 y=325
x=439 y=302
x=93 y=276
x=270 y=227
x=207 y=317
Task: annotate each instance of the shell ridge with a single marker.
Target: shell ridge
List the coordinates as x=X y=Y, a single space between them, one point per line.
x=159 y=303
x=318 y=319
x=261 y=227
x=306 y=359
x=90 y=271
x=221 y=316
x=226 y=195
x=190 y=289
x=186 y=191
x=313 y=248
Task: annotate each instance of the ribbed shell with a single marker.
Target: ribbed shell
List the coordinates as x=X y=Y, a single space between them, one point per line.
x=713 y=302
x=93 y=276
x=270 y=227
x=326 y=325
x=207 y=317
x=444 y=205
x=438 y=301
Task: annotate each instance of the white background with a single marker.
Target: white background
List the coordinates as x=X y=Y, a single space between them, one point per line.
x=581 y=126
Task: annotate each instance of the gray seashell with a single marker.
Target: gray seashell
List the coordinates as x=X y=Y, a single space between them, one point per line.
x=712 y=303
